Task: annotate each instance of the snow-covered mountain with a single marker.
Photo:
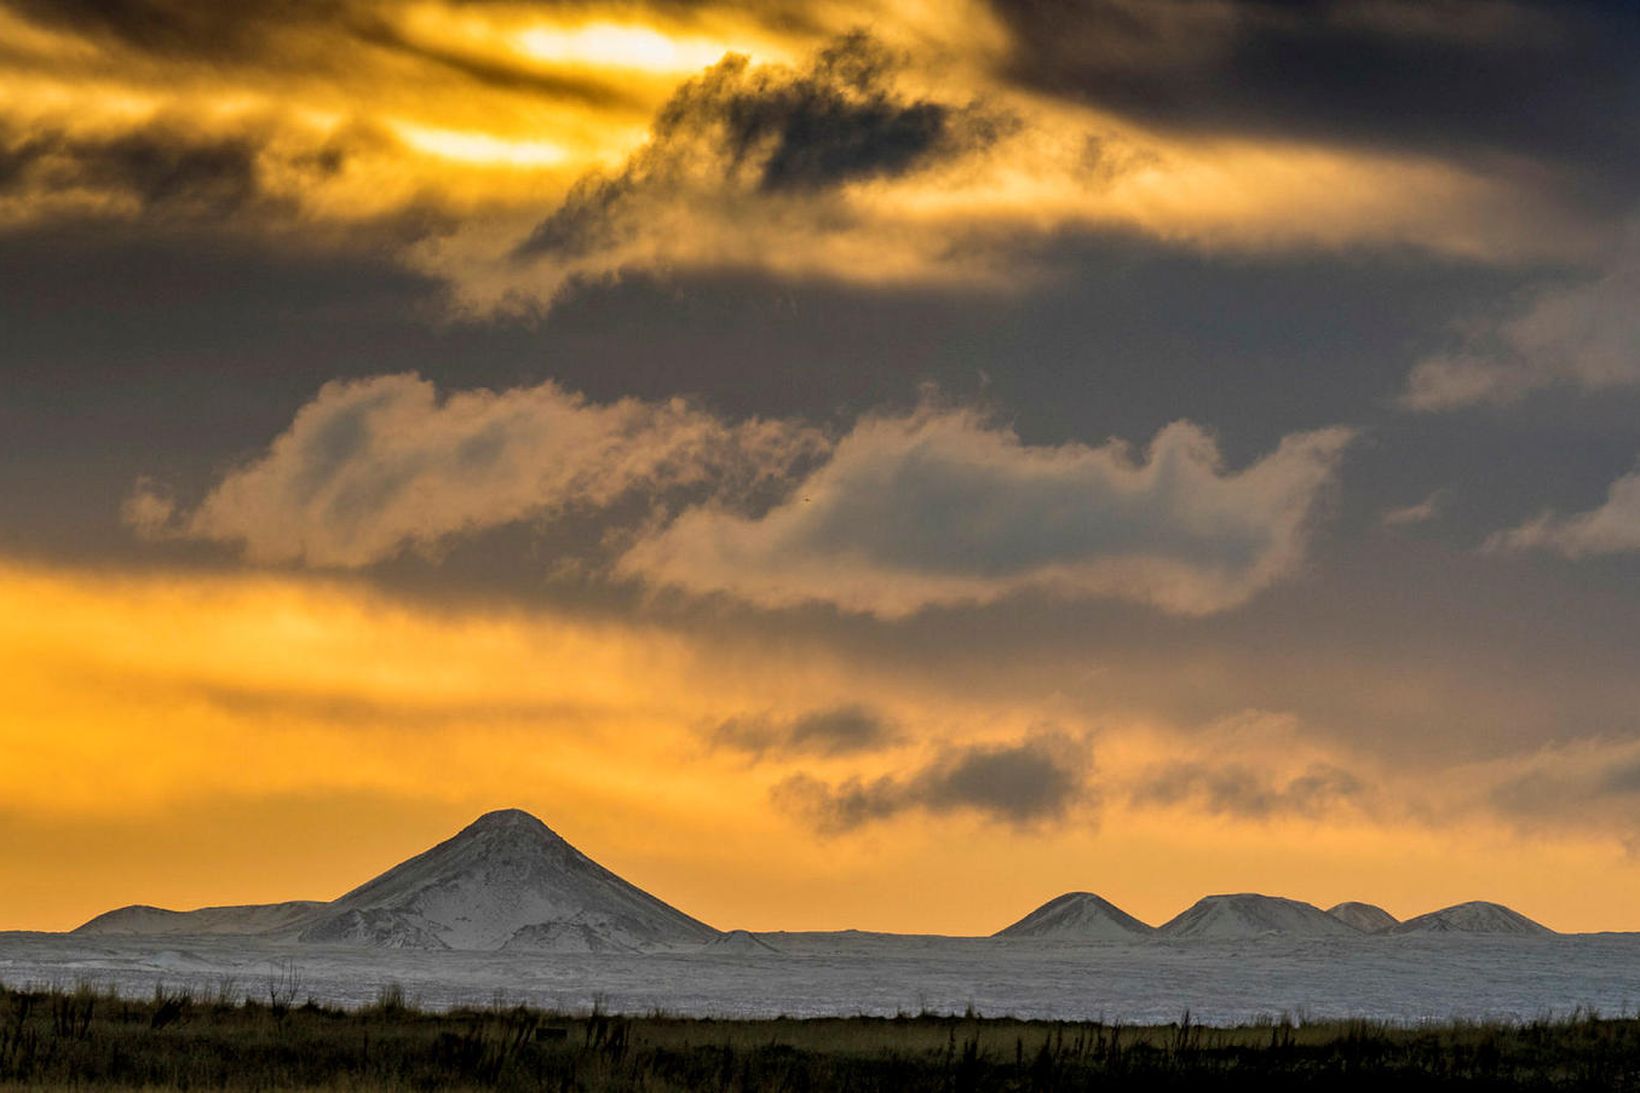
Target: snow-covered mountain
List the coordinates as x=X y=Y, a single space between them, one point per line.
x=1078 y=916
x=506 y=881
x=1475 y=917
x=1247 y=915
x=1369 y=918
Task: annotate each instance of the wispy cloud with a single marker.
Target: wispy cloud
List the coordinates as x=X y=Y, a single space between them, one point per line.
x=1240 y=789
x=1420 y=513
x=1613 y=528
x=835 y=731
x=1584 y=335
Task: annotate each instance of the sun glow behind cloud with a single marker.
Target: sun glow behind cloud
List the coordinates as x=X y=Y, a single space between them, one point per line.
x=481 y=148
x=491 y=115
x=614 y=46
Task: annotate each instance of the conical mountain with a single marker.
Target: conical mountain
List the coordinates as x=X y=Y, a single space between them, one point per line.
x=505 y=881
x=1369 y=918
x=1475 y=917
x=1248 y=915
x=1078 y=916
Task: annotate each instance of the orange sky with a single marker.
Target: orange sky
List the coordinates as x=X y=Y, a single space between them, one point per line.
x=187 y=741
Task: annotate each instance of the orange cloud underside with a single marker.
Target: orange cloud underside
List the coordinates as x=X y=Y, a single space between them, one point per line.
x=188 y=740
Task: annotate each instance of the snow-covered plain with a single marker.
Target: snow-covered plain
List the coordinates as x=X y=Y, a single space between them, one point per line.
x=1405 y=978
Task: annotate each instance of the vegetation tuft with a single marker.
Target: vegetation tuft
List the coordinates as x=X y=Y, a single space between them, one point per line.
x=82 y=1038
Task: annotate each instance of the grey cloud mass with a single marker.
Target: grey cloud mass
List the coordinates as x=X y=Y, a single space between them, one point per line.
x=1035 y=781
x=940 y=508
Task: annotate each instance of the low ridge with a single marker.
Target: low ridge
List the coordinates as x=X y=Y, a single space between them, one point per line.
x=1474 y=917
x=140 y=920
x=1369 y=918
x=1078 y=916
x=1248 y=915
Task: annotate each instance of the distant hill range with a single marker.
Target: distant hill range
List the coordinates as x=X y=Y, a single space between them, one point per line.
x=1083 y=916
x=508 y=882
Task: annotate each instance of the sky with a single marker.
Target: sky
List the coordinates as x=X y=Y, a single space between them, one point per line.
x=839 y=463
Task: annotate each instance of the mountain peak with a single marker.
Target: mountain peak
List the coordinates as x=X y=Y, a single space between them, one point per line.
x=506 y=819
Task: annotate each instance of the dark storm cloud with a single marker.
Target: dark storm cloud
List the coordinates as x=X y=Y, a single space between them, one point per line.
x=1035 y=781
x=205 y=29
x=840 y=730
x=769 y=131
x=1236 y=789
x=1551 y=81
x=165 y=172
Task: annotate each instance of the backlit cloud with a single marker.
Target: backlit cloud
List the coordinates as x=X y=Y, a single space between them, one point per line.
x=371 y=467
x=941 y=508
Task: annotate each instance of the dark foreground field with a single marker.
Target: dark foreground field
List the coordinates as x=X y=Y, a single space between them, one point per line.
x=85 y=1038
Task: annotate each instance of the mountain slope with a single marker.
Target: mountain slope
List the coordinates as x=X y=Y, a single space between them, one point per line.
x=1475 y=917
x=1078 y=916
x=1369 y=918
x=1248 y=915
x=505 y=881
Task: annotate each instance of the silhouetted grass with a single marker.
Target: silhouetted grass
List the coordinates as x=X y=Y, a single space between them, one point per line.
x=83 y=1038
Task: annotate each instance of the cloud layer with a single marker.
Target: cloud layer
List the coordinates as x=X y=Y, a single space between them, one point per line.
x=940 y=508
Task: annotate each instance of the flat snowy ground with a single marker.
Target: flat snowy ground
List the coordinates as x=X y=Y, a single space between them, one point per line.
x=1406 y=979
